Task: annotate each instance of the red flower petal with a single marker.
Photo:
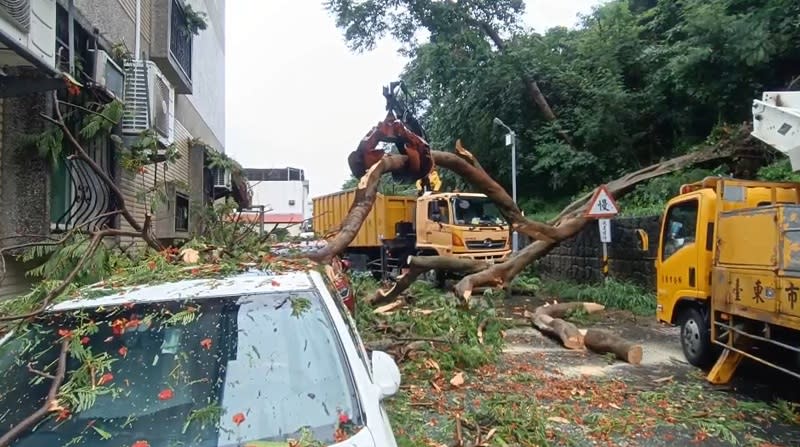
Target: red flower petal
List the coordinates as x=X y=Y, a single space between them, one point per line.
x=275 y=283
x=140 y=444
x=64 y=333
x=123 y=351
x=206 y=343
x=105 y=378
x=238 y=418
x=62 y=415
x=85 y=340
x=166 y=394
x=343 y=418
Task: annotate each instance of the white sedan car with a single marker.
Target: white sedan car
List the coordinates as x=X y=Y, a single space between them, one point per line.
x=248 y=360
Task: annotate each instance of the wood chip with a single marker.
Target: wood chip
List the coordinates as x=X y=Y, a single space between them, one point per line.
x=385 y=309
x=457 y=380
x=558 y=419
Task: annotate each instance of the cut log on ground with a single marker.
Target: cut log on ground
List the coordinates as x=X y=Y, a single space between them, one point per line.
x=603 y=342
x=549 y=320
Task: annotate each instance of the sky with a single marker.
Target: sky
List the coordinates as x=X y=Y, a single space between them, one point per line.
x=295 y=94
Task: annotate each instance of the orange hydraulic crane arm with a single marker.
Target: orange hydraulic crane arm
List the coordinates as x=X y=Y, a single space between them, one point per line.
x=398 y=131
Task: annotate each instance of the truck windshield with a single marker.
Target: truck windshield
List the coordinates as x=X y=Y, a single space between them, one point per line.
x=253 y=370
x=478 y=211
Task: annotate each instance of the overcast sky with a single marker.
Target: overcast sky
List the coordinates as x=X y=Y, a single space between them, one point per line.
x=296 y=96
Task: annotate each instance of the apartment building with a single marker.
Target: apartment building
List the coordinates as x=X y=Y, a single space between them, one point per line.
x=165 y=59
x=284 y=194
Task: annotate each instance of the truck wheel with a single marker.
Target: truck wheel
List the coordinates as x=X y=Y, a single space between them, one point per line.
x=695 y=338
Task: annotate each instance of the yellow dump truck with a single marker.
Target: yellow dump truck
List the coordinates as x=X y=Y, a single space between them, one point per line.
x=728 y=264
x=446 y=224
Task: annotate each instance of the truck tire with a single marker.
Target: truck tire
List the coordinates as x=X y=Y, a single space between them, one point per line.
x=436 y=278
x=696 y=337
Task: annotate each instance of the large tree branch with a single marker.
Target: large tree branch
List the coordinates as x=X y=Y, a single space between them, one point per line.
x=94 y=244
x=570 y=221
x=417 y=265
x=366 y=192
x=50 y=404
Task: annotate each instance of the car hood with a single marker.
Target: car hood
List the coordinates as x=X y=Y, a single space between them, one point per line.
x=363 y=438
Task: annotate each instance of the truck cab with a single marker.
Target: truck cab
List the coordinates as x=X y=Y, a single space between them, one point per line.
x=461 y=224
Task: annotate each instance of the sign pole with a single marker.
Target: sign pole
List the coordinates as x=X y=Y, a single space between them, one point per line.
x=602 y=207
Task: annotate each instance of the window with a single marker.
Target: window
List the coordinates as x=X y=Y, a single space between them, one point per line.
x=181 y=212
x=680 y=228
x=282 y=369
x=438 y=211
x=477 y=211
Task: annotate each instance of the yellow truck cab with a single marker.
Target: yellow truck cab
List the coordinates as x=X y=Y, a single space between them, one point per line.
x=728 y=266
x=461 y=224
x=465 y=225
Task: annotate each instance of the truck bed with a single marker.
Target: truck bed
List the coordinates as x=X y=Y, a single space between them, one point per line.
x=330 y=210
x=757 y=264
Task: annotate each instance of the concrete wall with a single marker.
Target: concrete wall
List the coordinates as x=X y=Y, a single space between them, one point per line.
x=278 y=194
x=24 y=181
x=116 y=20
x=579 y=258
x=203 y=112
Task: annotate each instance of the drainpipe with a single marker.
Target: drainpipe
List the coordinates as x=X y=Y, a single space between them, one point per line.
x=71 y=32
x=138 y=41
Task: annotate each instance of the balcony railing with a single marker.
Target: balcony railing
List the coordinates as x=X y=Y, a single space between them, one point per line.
x=82 y=198
x=171 y=44
x=180 y=39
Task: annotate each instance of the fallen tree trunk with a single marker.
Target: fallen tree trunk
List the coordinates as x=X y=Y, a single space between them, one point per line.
x=366 y=192
x=602 y=342
x=417 y=265
x=546 y=235
x=569 y=222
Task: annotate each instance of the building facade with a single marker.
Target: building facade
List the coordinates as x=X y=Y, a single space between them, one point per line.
x=167 y=70
x=284 y=194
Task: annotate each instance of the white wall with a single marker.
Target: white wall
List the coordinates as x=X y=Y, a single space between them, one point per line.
x=205 y=107
x=278 y=194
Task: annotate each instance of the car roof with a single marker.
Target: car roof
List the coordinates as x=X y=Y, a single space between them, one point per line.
x=246 y=283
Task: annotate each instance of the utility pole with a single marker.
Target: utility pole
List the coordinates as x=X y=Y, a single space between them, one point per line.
x=511 y=140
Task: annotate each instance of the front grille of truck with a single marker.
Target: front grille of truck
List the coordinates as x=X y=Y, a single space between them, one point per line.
x=488 y=244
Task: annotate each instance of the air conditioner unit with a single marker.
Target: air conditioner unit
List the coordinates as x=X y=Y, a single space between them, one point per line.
x=222 y=178
x=149 y=102
x=32 y=25
x=108 y=74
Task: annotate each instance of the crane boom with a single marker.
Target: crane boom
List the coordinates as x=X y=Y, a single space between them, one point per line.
x=776 y=122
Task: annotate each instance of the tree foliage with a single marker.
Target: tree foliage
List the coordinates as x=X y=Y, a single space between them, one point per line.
x=636 y=82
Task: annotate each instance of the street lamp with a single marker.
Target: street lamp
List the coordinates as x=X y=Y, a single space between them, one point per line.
x=511 y=140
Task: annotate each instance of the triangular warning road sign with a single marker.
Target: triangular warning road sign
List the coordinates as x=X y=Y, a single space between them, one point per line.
x=602 y=204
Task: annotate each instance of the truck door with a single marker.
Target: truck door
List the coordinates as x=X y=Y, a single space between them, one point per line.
x=435 y=233
x=678 y=257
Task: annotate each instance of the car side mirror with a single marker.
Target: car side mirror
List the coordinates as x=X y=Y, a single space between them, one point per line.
x=386 y=374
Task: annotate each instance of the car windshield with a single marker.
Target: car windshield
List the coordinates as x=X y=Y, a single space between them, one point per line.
x=253 y=370
x=478 y=211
